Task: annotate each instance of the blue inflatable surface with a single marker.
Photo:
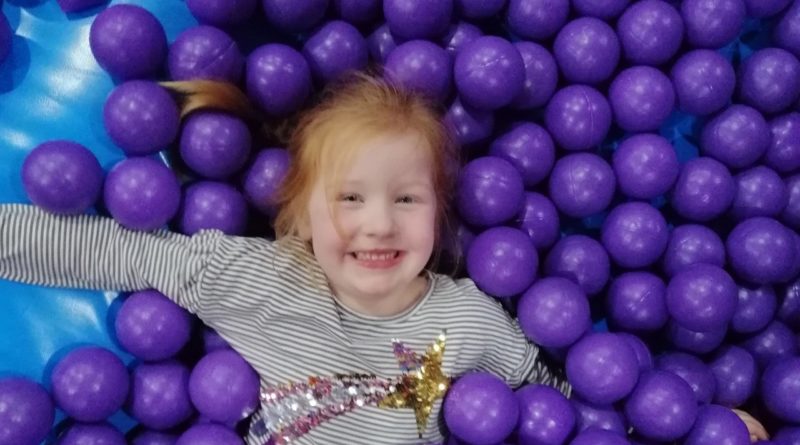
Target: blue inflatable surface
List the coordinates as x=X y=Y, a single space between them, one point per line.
x=51 y=87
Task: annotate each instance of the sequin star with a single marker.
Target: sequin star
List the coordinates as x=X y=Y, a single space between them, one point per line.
x=422 y=385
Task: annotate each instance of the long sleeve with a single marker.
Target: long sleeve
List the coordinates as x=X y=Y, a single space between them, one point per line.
x=511 y=354
x=94 y=252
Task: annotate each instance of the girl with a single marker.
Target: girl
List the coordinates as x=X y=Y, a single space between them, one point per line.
x=354 y=337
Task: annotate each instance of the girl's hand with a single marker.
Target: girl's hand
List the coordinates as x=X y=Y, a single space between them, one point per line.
x=756 y=429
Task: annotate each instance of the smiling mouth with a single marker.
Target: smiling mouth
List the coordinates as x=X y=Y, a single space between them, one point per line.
x=376 y=256
x=377 y=259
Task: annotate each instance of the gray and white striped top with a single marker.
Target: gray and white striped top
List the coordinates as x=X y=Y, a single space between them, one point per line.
x=271 y=302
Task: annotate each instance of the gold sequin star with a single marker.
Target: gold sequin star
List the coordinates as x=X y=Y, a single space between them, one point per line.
x=421 y=387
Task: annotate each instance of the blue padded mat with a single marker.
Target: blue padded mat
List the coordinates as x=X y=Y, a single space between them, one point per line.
x=51 y=87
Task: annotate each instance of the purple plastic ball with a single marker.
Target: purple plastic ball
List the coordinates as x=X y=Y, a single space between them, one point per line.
x=536 y=19
x=635 y=302
x=780 y=390
x=602 y=9
x=418 y=19
x=717 y=425
x=278 y=79
x=640 y=349
x=26 y=411
x=358 y=12
x=6 y=37
x=91 y=434
x=761 y=250
x=291 y=16
x=546 y=416
x=786 y=33
x=334 y=49
x=212 y=205
x=539 y=219
x=696 y=342
x=691 y=244
x=423 y=67
x=554 y=312
x=489 y=73
x=205 y=52
x=646 y=166
x=791 y=213
x=209 y=434
x=635 y=234
x=602 y=368
x=150 y=437
x=141 y=194
x=76 y=5
x=529 y=148
x=769 y=80
x=582 y=260
x=587 y=50
x=596 y=436
x=704 y=81
x=263 y=178
x=737 y=137
x=223 y=387
x=702 y=297
x=215 y=144
x=650 y=31
x=662 y=406
x=151 y=327
x=765 y=8
x=736 y=374
x=578 y=117
x=481 y=408
x=502 y=261
x=691 y=369
x=604 y=417
x=541 y=76
x=222 y=12
x=478 y=9
x=776 y=342
x=789 y=309
x=641 y=98
x=470 y=126
x=712 y=23
x=212 y=341
x=490 y=191
x=581 y=184
x=62 y=177
x=759 y=192
x=90 y=384
x=458 y=35
x=128 y=41
x=704 y=190
x=783 y=152
x=141 y=117
x=380 y=43
x=159 y=397
x=755 y=309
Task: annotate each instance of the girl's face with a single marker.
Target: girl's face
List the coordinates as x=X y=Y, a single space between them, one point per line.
x=386 y=212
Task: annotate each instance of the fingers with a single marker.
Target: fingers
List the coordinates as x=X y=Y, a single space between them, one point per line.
x=756 y=429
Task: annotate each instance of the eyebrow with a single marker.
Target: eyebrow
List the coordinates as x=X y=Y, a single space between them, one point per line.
x=414 y=183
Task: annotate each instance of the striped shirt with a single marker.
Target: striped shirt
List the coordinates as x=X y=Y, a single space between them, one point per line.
x=271 y=302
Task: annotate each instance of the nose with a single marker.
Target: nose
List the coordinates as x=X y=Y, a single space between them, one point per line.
x=379 y=221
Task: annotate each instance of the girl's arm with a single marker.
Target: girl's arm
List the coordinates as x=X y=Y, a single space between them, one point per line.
x=93 y=252
x=513 y=357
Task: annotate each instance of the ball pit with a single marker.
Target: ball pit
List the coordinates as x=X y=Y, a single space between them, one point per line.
x=639 y=88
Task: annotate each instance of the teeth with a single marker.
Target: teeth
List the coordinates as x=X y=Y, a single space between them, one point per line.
x=366 y=256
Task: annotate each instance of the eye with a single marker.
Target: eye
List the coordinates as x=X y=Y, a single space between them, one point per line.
x=350 y=197
x=406 y=199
